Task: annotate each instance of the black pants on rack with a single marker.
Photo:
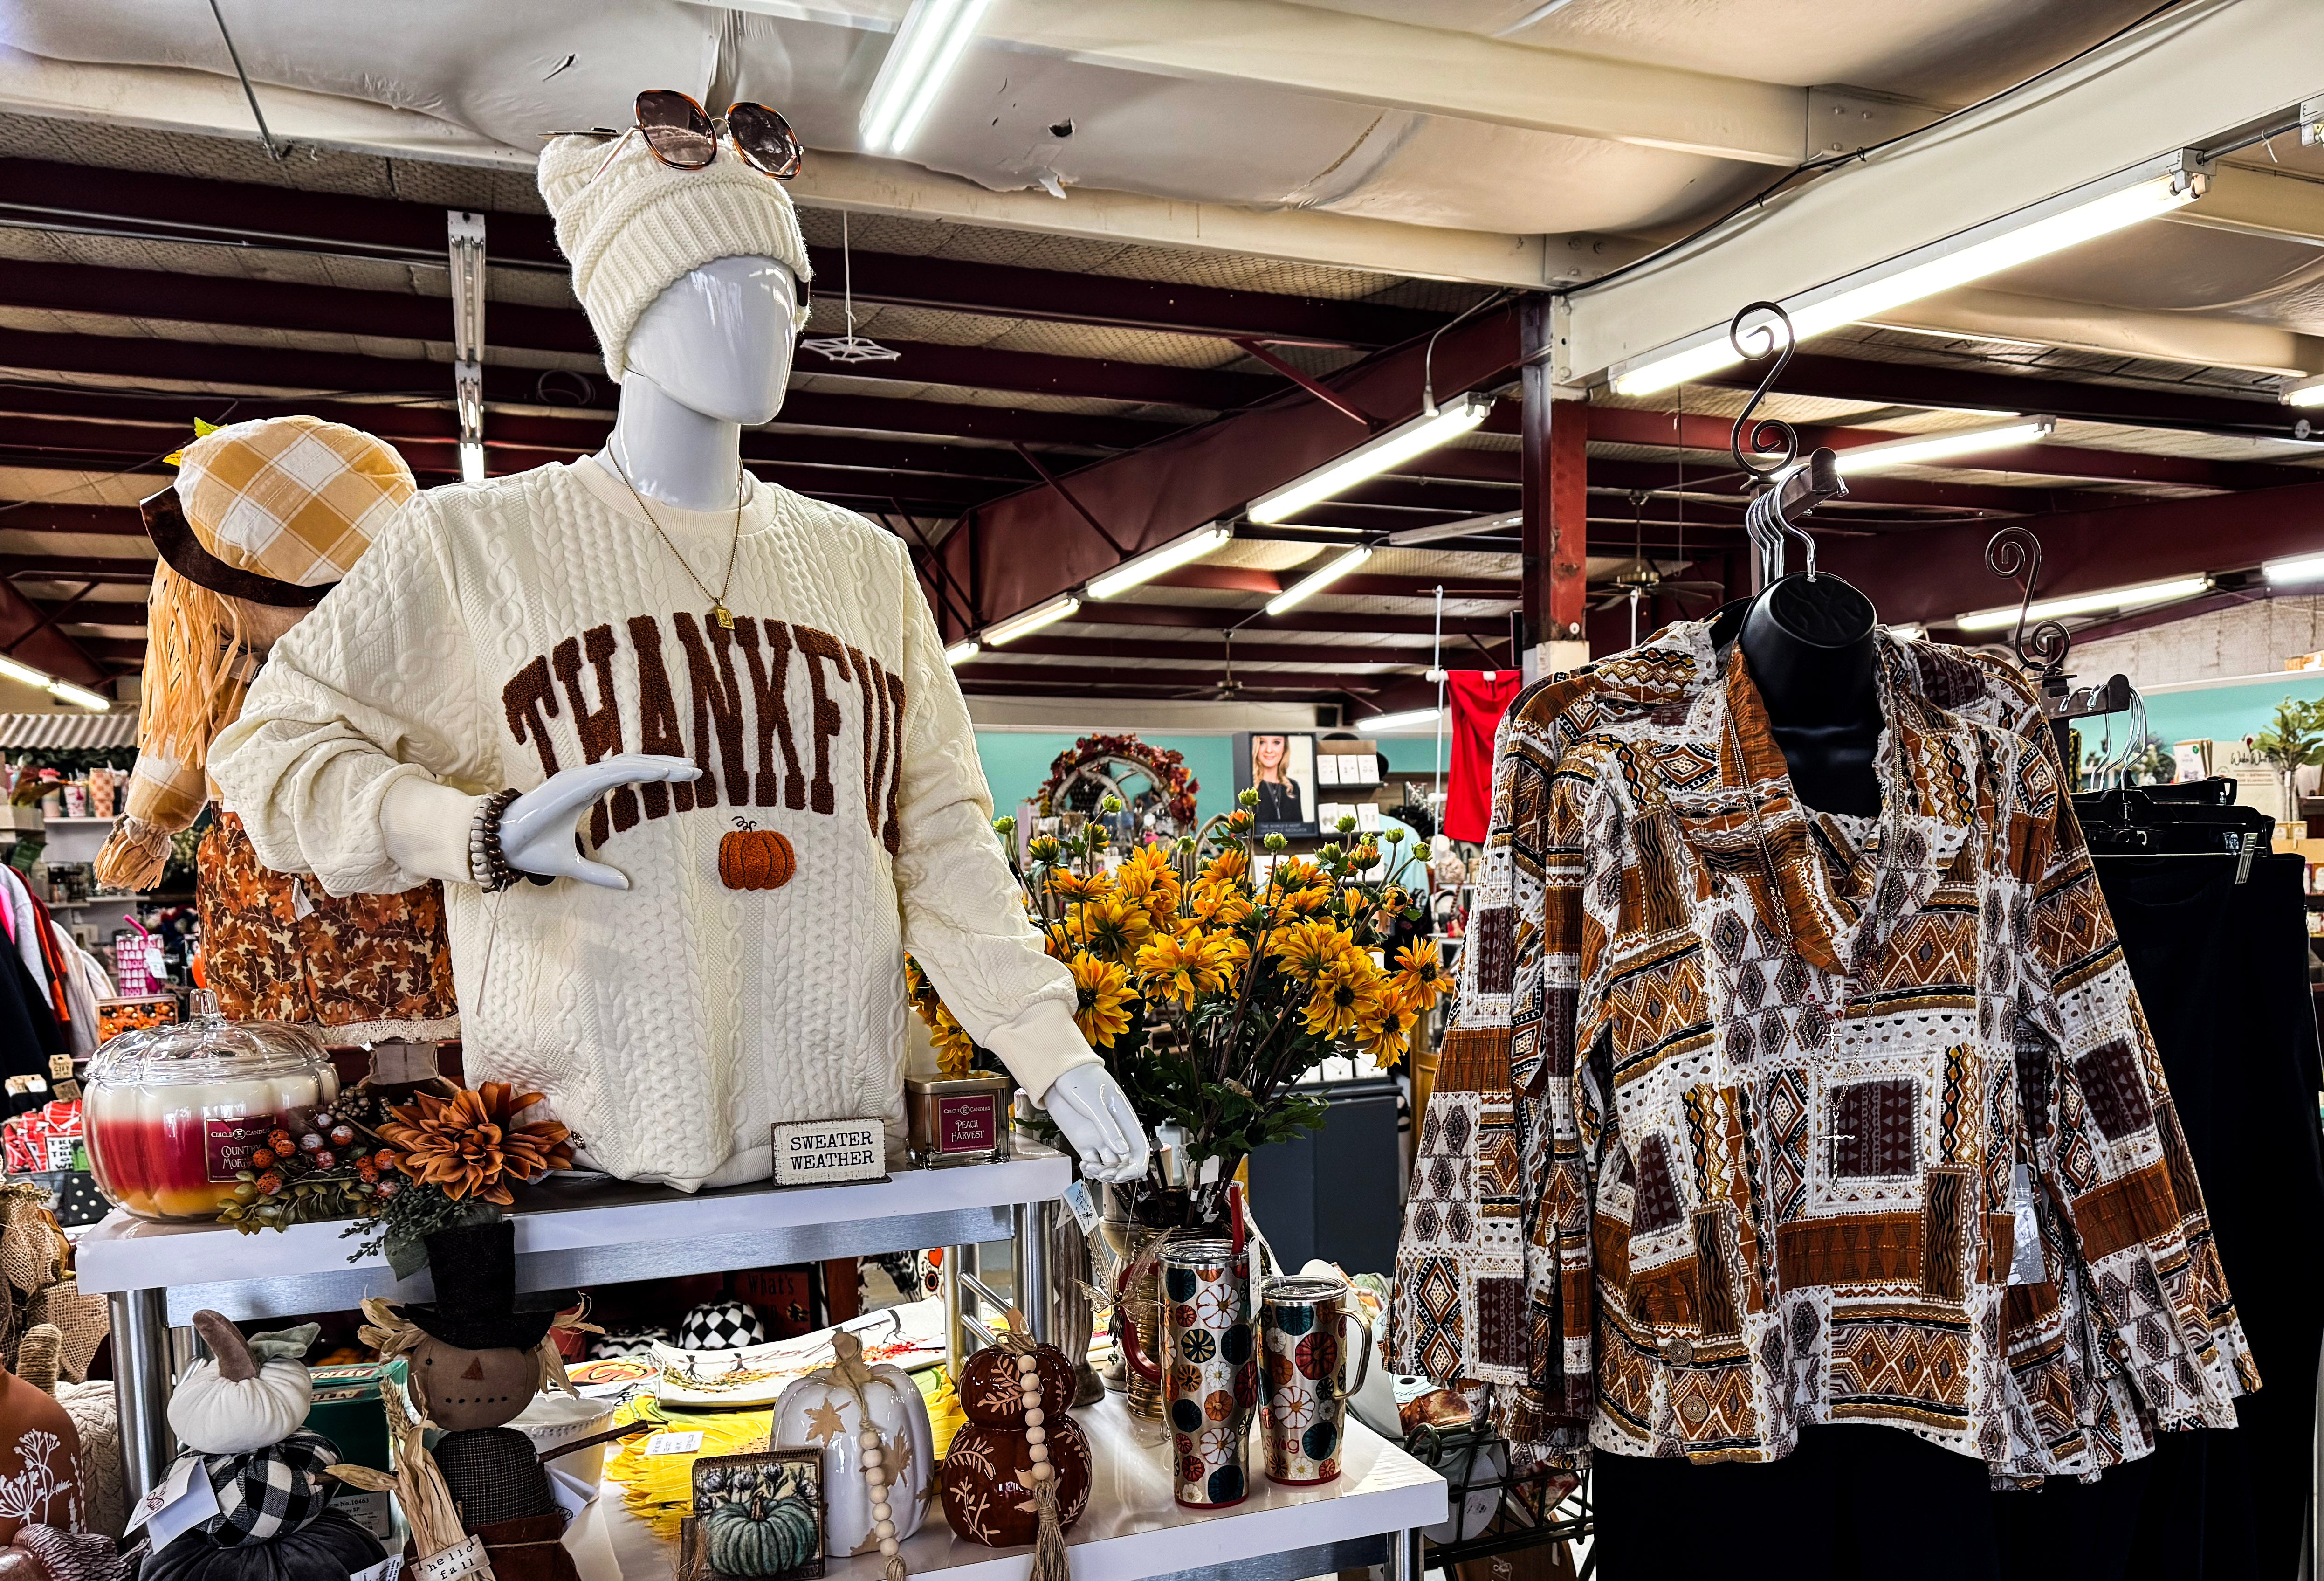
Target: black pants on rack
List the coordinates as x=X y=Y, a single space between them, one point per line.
x=2222 y=972
x=1855 y=1502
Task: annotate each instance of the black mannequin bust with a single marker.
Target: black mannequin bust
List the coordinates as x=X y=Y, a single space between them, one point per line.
x=1807 y=641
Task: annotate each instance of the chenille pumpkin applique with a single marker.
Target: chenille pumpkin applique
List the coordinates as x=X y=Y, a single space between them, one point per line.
x=752 y=858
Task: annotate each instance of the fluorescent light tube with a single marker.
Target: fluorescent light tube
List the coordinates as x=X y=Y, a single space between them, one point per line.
x=1916 y=449
x=1375 y=455
x=2105 y=598
x=15 y=669
x=2302 y=568
x=1406 y=720
x=2306 y=393
x=472 y=461
x=2036 y=231
x=961 y=651
x=80 y=696
x=1145 y=567
x=1031 y=620
x=1908 y=631
x=1314 y=582
x=926 y=47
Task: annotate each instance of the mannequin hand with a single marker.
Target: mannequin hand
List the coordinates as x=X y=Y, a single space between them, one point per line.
x=537 y=829
x=1093 y=1112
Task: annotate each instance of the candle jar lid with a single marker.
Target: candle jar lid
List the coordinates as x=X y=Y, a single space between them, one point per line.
x=954 y=1085
x=204 y=1048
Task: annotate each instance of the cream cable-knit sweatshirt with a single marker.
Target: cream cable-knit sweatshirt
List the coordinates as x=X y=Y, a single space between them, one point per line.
x=501 y=631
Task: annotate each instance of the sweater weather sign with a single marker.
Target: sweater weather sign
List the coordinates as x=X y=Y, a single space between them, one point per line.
x=830 y=1152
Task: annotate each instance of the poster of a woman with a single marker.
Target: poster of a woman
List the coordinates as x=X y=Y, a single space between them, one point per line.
x=1281 y=767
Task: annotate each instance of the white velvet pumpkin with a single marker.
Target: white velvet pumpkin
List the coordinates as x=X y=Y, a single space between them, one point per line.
x=819 y=1412
x=218 y=1412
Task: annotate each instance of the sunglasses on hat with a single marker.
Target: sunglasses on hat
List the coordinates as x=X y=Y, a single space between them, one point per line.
x=683 y=135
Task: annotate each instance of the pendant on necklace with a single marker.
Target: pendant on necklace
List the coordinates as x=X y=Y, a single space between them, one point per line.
x=723 y=615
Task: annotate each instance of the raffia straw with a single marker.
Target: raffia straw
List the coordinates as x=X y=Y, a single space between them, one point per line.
x=417 y=1484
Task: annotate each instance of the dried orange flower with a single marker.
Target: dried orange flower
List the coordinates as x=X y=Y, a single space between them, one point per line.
x=471 y=1145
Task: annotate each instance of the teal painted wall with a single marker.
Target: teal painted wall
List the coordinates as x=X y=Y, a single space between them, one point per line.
x=2224 y=713
x=1017 y=762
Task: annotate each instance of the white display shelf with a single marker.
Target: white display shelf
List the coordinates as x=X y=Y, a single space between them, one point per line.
x=577 y=1232
x=1133 y=1528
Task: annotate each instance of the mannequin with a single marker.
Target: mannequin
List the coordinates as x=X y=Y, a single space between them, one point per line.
x=653 y=652
x=1807 y=641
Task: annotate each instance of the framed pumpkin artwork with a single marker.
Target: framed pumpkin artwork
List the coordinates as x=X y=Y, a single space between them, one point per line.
x=757 y=1517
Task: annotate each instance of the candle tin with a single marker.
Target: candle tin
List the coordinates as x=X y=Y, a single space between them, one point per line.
x=958 y=1120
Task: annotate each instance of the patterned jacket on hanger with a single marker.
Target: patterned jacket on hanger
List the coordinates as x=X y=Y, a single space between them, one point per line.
x=1754 y=1117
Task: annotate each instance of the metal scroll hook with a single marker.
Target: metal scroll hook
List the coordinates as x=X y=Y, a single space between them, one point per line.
x=1770 y=336
x=2015 y=552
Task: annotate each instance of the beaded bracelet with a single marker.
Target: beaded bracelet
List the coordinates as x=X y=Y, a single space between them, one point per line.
x=488 y=864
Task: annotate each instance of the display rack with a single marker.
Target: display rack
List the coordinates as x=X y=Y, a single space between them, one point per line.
x=579 y=1232
x=569 y=1233
x=1132 y=1531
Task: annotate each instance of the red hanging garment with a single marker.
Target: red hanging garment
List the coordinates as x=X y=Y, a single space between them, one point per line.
x=1479 y=698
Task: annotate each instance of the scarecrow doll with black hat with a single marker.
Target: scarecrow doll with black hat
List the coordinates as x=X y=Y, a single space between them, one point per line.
x=477 y=1355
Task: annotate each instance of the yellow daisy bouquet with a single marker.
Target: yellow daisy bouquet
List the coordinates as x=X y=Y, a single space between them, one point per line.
x=1212 y=974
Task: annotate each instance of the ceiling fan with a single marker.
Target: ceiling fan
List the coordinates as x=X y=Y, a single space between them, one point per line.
x=1227 y=688
x=1642 y=579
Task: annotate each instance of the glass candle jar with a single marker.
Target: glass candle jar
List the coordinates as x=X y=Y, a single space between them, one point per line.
x=173 y=1115
x=958 y=1120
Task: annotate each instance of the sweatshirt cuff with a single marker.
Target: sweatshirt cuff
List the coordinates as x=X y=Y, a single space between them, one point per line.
x=424 y=825
x=1039 y=1044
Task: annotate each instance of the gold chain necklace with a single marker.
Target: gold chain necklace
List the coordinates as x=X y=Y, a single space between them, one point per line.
x=718 y=610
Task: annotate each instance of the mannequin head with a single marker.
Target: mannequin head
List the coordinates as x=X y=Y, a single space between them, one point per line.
x=718 y=339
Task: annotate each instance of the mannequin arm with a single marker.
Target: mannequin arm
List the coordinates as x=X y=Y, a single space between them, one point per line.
x=426 y=824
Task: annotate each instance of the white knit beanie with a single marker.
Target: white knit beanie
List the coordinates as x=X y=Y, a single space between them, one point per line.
x=633 y=229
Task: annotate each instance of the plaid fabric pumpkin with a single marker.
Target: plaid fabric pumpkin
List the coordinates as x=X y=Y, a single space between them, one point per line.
x=266 y=1492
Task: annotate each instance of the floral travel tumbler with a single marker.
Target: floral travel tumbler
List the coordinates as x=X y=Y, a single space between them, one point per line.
x=1209 y=1371
x=1300 y=1321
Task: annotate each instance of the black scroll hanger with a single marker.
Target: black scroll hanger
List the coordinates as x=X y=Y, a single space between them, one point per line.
x=1768 y=452
x=2015 y=552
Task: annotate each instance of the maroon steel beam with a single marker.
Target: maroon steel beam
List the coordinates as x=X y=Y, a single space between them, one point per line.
x=594 y=395
x=1355 y=585
x=922 y=362
x=1199 y=617
x=1937 y=574
x=1026 y=548
x=983 y=672
x=44 y=646
x=1307 y=381
x=50 y=614
x=80 y=198
x=76 y=566
x=1245 y=653
x=1066 y=494
x=43 y=516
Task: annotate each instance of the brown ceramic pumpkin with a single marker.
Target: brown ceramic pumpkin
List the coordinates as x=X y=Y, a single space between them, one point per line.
x=988 y=1480
x=992 y=1395
x=39 y=1460
x=752 y=858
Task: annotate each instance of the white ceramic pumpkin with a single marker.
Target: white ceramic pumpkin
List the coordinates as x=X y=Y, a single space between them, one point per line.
x=251 y=1393
x=819 y=1412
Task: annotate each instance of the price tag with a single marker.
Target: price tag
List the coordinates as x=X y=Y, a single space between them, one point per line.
x=1077 y=1198
x=674 y=1443
x=2025 y=1265
x=184 y=1500
x=463 y=1558
x=387 y=1569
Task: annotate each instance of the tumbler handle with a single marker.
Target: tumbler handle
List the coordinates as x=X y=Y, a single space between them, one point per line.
x=1125 y=1328
x=1342 y=1390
